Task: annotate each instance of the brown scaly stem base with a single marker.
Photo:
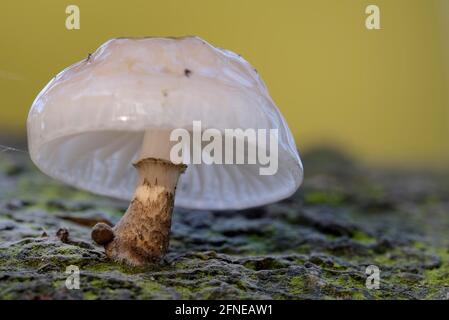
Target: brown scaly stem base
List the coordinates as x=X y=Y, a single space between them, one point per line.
x=142 y=235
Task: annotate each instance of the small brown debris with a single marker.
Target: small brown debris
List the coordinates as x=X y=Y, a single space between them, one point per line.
x=63 y=235
x=102 y=233
x=187 y=72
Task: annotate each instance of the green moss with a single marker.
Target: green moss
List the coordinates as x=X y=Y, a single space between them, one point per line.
x=432 y=200
x=58 y=284
x=337 y=266
x=150 y=289
x=185 y=293
x=331 y=237
x=439 y=276
x=358 y=295
x=102 y=267
x=344 y=286
x=7 y=296
x=90 y=296
x=297 y=285
x=67 y=250
x=98 y=283
x=362 y=237
x=320 y=197
x=257 y=244
x=347 y=282
x=385 y=259
x=419 y=245
x=34 y=267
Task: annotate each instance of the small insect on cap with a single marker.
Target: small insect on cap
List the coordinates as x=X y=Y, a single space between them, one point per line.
x=86 y=126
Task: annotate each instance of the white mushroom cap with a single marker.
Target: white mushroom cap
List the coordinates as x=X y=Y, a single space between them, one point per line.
x=86 y=126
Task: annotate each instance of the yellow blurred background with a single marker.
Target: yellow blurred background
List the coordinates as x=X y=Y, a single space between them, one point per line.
x=382 y=94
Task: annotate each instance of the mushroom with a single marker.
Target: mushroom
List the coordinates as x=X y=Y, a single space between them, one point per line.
x=117 y=108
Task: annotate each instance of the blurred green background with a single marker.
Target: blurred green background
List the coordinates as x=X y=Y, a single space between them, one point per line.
x=381 y=95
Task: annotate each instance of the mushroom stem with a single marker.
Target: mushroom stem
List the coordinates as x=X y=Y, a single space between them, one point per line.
x=142 y=235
